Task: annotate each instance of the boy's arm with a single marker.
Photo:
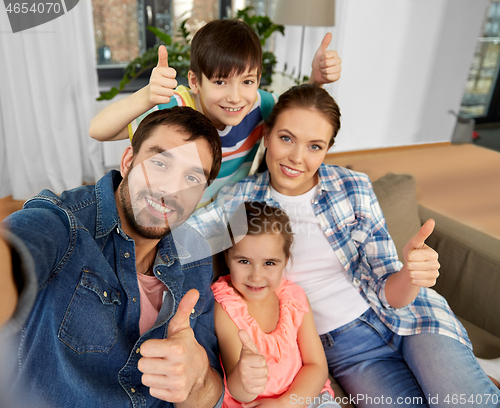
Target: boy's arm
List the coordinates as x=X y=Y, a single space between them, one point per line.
x=326 y=65
x=111 y=123
x=245 y=368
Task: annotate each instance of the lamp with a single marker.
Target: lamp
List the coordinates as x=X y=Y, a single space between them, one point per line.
x=304 y=13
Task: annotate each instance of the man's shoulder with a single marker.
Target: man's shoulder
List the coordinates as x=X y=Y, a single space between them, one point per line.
x=68 y=201
x=85 y=207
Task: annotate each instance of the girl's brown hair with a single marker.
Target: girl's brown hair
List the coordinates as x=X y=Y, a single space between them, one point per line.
x=264 y=219
x=260 y=219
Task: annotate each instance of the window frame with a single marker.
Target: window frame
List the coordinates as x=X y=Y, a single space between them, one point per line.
x=109 y=77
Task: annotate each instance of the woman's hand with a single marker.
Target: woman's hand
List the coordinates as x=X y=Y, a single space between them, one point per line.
x=421 y=261
x=420 y=270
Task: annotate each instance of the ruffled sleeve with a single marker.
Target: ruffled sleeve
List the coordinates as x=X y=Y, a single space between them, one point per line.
x=226 y=296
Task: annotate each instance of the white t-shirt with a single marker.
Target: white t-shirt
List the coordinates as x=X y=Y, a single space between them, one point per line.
x=315 y=267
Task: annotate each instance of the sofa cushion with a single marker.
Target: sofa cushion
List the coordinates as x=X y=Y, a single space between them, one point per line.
x=397 y=195
x=469 y=274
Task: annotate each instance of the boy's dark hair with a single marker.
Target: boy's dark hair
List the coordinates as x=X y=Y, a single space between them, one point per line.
x=225 y=47
x=194 y=123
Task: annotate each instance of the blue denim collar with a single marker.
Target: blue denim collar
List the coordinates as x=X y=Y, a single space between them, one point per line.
x=107 y=218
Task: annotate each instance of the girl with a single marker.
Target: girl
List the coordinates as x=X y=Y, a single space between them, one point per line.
x=385 y=333
x=270 y=349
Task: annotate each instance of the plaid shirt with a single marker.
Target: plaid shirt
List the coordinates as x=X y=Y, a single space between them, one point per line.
x=352 y=220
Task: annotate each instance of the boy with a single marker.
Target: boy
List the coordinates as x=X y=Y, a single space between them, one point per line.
x=225 y=70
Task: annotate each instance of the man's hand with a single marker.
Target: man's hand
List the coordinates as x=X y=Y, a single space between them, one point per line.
x=421 y=261
x=252 y=366
x=326 y=65
x=162 y=81
x=174 y=366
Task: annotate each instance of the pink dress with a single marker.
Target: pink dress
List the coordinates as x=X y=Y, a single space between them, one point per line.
x=280 y=347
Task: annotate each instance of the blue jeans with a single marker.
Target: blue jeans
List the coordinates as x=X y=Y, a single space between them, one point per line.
x=424 y=370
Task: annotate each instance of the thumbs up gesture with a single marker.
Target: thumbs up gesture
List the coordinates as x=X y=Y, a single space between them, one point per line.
x=171 y=367
x=162 y=81
x=326 y=65
x=252 y=366
x=421 y=261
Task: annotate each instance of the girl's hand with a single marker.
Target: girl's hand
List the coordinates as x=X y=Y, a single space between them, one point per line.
x=252 y=366
x=421 y=261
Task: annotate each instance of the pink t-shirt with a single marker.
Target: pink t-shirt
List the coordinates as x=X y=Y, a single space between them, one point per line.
x=151 y=290
x=280 y=347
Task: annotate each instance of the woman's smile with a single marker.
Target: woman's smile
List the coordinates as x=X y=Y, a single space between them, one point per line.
x=296 y=147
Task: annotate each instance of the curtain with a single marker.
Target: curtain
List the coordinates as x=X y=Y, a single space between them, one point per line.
x=48 y=86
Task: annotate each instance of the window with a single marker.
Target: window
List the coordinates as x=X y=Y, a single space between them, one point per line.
x=481 y=96
x=121 y=35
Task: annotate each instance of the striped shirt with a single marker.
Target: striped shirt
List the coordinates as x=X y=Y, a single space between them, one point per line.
x=239 y=143
x=352 y=220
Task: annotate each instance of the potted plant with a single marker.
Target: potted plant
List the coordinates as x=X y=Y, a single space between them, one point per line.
x=179 y=51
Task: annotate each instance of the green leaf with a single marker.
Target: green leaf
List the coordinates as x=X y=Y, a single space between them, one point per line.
x=161 y=35
x=106 y=96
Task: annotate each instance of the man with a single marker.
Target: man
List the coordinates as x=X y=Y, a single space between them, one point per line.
x=120 y=313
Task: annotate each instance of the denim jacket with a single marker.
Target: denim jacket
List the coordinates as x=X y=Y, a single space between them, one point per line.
x=80 y=344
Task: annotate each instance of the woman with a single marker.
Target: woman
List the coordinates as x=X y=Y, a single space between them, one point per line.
x=389 y=340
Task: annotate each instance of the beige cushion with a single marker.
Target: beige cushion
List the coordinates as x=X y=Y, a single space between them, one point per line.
x=397 y=195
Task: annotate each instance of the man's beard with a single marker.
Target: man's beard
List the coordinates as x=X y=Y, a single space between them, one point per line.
x=149 y=232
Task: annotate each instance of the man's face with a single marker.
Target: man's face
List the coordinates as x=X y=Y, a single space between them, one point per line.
x=163 y=183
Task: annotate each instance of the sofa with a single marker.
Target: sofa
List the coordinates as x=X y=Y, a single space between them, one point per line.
x=470 y=263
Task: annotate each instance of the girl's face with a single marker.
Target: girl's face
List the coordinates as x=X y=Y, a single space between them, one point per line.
x=296 y=147
x=256 y=265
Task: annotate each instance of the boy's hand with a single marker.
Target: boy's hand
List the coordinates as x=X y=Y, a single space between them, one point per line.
x=326 y=65
x=421 y=261
x=162 y=81
x=173 y=366
x=252 y=366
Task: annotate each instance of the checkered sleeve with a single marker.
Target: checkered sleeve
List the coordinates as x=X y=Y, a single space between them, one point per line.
x=381 y=251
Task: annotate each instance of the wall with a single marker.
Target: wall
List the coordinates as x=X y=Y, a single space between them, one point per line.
x=405 y=64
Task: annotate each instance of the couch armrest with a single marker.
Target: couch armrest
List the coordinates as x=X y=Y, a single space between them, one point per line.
x=470 y=270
